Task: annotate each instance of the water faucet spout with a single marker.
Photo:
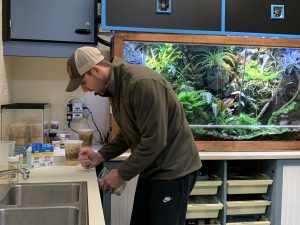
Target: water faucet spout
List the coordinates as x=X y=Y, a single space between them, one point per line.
x=25 y=172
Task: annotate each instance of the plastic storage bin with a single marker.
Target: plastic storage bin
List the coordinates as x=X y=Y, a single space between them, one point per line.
x=207 y=187
x=251 y=223
x=200 y=207
x=248 y=220
x=247 y=207
x=25 y=123
x=252 y=185
x=202 y=222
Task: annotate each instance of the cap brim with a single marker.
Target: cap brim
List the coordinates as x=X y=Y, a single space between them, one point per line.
x=74 y=83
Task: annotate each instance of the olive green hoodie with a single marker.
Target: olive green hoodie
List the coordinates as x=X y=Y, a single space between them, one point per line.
x=152 y=124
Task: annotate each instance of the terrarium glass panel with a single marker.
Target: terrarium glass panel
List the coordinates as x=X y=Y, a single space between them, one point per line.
x=229 y=92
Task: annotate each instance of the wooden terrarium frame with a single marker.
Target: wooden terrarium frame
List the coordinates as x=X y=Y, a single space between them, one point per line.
x=118 y=43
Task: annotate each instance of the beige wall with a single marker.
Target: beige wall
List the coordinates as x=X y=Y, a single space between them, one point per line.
x=44 y=80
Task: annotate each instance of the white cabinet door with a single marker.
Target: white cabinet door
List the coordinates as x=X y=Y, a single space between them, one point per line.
x=290 y=196
x=121 y=206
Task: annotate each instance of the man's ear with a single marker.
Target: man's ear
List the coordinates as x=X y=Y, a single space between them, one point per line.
x=95 y=70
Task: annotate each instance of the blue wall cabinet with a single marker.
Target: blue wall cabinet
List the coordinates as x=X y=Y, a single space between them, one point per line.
x=48 y=28
x=55 y=20
x=180 y=16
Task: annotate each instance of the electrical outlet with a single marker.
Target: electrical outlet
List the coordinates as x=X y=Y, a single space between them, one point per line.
x=69 y=117
x=77 y=116
x=77 y=107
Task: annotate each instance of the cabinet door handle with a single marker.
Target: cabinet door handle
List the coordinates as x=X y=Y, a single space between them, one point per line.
x=82 y=31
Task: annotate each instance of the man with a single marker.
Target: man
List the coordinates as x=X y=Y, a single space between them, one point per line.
x=152 y=124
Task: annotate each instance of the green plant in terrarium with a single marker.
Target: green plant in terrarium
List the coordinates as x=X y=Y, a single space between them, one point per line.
x=223 y=110
x=218 y=65
x=280 y=115
x=163 y=58
x=196 y=105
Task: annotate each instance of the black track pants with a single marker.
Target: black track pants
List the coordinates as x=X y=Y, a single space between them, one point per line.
x=162 y=202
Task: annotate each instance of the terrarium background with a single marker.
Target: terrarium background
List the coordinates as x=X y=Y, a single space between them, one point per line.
x=229 y=92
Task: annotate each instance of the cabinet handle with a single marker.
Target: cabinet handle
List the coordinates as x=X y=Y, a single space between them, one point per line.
x=82 y=31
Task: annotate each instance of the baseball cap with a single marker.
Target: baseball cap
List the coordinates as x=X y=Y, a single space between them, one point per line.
x=80 y=62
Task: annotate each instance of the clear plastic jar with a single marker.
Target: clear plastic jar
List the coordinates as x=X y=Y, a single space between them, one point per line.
x=13 y=163
x=62 y=139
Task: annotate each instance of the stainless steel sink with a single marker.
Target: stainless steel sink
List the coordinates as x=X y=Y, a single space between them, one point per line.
x=41 y=193
x=63 y=203
x=39 y=216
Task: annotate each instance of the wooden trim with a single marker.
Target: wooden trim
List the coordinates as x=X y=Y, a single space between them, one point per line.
x=247 y=146
x=120 y=37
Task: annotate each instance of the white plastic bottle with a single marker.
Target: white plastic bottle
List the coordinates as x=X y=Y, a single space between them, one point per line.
x=28 y=157
x=62 y=138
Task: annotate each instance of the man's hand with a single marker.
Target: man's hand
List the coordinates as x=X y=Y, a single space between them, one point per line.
x=111 y=182
x=88 y=158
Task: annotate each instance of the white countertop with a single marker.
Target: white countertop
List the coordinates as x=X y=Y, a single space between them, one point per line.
x=63 y=173
x=237 y=155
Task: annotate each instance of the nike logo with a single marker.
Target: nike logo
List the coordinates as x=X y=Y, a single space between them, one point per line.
x=167 y=199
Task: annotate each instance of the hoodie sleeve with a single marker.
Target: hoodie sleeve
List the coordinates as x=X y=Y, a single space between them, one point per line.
x=115 y=148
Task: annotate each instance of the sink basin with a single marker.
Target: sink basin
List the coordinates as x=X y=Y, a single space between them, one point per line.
x=41 y=193
x=40 y=216
x=62 y=203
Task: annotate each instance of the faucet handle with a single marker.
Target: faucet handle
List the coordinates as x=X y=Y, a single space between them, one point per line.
x=26 y=173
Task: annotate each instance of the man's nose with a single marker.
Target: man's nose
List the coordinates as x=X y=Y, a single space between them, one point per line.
x=83 y=88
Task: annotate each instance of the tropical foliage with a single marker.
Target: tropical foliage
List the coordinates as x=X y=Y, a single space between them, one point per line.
x=229 y=92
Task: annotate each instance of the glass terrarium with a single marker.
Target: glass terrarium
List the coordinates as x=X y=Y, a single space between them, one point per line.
x=25 y=123
x=229 y=92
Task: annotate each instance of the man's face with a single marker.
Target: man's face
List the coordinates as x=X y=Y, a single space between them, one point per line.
x=96 y=81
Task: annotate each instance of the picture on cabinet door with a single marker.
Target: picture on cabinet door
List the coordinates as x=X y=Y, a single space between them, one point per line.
x=163 y=6
x=277 y=11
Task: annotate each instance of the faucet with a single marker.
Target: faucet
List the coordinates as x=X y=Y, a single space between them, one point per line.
x=25 y=172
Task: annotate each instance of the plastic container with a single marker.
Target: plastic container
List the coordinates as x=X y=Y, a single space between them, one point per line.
x=106 y=171
x=251 y=223
x=86 y=135
x=36 y=155
x=48 y=154
x=203 y=207
x=247 y=207
x=28 y=156
x=62 y=139
x=4 y=154
x=72 y=148
x=248 y=220
x=54 y=125
x=13 y=163
x=207 y=187
x=56 y=144
x=18 y=133
x=254 y=185
x=36 y=132
x=11 y=147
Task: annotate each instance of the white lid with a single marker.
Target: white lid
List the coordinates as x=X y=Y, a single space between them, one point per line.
x=62 y=135
x=13 y=159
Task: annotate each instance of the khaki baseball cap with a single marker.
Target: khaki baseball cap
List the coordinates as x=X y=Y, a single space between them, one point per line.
x=80 y=62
